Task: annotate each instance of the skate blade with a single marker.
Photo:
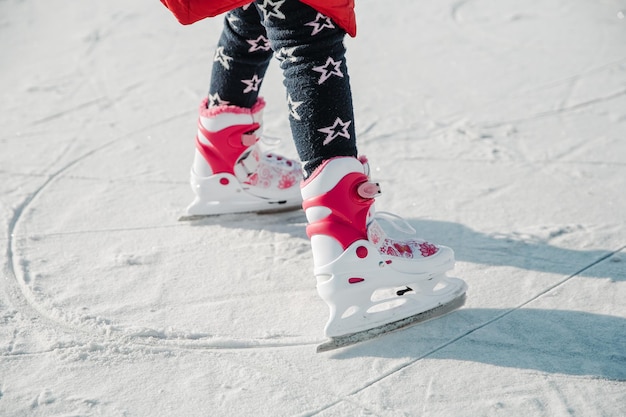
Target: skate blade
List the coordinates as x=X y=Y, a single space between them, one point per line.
x=358 y=337
x=274 y=210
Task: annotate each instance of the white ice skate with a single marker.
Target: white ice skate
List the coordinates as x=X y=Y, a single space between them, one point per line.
x=372 y=282
x=231 y=174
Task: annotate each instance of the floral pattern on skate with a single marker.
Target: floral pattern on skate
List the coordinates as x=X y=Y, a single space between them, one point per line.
x=408 y=249
x=272 y=171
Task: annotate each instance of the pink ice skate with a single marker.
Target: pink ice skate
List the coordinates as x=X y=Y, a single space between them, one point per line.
x=231 y=174
x=372 y=282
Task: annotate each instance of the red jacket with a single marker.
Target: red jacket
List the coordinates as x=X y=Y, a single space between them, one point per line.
x=190 y=11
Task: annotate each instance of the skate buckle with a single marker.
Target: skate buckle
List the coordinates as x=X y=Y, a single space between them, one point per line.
x=368 y=190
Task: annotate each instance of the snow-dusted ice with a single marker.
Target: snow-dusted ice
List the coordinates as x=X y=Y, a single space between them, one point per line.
x=496 y=127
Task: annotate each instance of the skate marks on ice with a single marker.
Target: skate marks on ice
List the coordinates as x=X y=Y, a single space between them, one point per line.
x=152 y=245
x=152 y=305
x=550 y=341
x=152 y=248
x=492 y=30
x=495 y=331
x=537 y=344
x=70 y=246
x=86 y=268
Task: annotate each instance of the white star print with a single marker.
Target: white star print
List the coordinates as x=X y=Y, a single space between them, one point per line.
x=272 y=9
x=320 y=23
x=293 y=105
x=327 y=71
x=339 y=128
x=222 y=58
x=253 y=84
x=232 y=20
x=259 y=44
x=286 y=54
x=215 y=100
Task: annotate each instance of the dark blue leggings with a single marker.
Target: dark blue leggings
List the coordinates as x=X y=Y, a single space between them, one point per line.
x=310 y=49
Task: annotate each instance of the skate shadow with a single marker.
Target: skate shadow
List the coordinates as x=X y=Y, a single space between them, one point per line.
x=533 y=253
x=551 y=341
x=529 y=252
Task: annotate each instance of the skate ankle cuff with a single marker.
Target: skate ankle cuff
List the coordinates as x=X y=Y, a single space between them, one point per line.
x=206 y=111
x=348 y=211
x=224 y=148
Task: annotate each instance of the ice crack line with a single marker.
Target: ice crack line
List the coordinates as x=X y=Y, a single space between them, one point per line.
x=467 y=333
x=559 y=110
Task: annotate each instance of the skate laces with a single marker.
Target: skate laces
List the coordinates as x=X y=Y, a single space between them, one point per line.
x=280 y=162
x=266 y=144
x=267 y=170
x=398 y=239
x=254 y=136
x=395 y=222
x=404 y=243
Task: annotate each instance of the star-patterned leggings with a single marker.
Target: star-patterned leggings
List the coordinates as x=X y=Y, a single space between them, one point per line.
x=310 y=49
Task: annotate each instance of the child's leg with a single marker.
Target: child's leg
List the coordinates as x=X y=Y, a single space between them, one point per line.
x=230 y=172
x=311 y=51
x=241 y=59
x=369 y=278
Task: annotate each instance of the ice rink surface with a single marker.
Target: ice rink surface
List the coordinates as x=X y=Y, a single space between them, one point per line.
x=496 y=127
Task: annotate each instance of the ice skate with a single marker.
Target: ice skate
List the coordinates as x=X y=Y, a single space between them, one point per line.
x=372 y=281
x=230 y=172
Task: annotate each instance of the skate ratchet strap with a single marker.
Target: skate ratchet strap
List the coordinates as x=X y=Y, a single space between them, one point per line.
x=348 y=210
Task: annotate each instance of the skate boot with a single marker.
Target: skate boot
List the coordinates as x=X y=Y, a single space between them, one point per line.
x=230 y=172
x=372 y=281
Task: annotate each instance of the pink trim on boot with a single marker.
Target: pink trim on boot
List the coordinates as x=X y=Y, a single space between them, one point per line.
x=214 y=111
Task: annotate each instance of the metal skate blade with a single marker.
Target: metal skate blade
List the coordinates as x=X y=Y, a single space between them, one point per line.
x=194 y=217
x=362 y=336
x=273 y=210
x=279 y=209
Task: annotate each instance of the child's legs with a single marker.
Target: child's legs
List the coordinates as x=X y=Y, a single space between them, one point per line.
x=241 y=59
x=310 y=48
